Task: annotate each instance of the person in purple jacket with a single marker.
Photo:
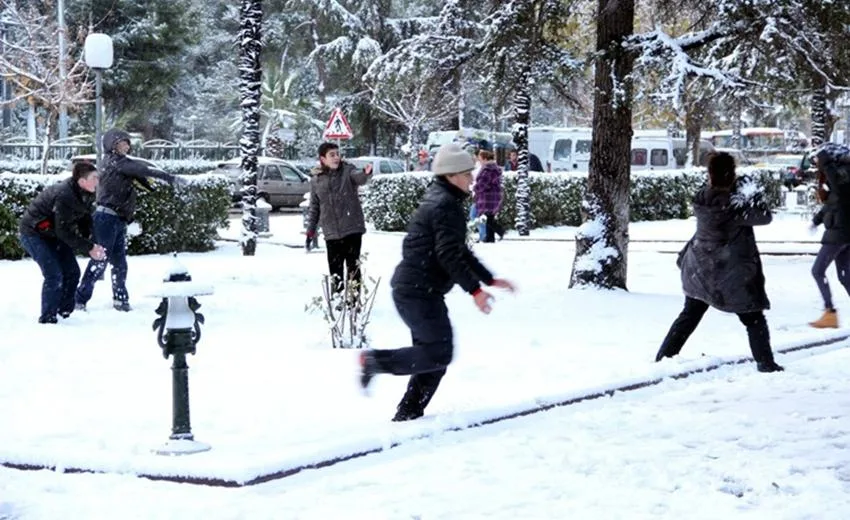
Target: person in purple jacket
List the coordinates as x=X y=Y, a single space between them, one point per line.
x=488 y=194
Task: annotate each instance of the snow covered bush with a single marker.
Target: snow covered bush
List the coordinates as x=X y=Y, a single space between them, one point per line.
x=556 y=198
x=181 y=218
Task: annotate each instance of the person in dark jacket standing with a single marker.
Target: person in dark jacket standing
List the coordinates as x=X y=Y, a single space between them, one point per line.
x=116 y=207
x=720 y=265
x=435 y=257
x=488 y=195
x=833 y=164
x=335 y=207
x=57 y=224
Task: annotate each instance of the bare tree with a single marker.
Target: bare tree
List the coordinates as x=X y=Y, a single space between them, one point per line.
x=412 y=104
x=31 y=64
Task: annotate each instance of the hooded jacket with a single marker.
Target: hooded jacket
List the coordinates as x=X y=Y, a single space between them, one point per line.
x=721 y=265
x=117 y=173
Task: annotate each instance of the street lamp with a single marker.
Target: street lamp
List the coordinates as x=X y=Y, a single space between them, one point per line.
x=98 y=56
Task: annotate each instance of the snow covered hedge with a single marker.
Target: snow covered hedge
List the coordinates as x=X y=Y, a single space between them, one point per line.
x=177 y=167
x=556 y=197
x=184 y=218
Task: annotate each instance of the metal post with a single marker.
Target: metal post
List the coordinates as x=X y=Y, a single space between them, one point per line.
x=97 y=116
x=181 y=428
x=63 y=108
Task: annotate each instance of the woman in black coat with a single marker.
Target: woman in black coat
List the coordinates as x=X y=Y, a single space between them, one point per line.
x=56 y=225
x=720 y=265
x=833 y=164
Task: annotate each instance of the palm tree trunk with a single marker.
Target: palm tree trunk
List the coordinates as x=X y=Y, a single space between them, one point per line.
x=250 y=81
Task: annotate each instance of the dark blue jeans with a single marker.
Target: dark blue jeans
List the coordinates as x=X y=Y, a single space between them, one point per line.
x=110 y=232
x=829 y=253
x=60 y=270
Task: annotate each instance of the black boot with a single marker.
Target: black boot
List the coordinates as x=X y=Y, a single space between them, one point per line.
x=769 y=366
x=408 y=415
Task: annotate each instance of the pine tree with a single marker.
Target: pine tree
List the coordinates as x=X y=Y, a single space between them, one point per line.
x=250 y=81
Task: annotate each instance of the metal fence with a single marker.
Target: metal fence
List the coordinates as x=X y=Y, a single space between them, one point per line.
x=155 y=149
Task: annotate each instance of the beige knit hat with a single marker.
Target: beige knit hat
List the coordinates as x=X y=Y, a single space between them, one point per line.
x=451 y=159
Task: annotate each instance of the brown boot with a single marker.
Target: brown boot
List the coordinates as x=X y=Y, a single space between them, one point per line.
x=829 y=320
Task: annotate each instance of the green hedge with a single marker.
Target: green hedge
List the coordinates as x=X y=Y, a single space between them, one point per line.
x=183 y=218
x=556 y=197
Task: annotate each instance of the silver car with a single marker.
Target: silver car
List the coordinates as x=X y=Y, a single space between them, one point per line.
x=280 y=183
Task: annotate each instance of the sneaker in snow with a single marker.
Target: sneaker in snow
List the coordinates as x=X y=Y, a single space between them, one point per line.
x=80 y=307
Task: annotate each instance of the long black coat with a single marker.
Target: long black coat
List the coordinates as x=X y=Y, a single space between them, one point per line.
x=721 y=264
x=62 y=211
x=435 y=256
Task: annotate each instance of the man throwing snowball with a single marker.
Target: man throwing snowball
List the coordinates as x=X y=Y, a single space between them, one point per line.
x=435 y=257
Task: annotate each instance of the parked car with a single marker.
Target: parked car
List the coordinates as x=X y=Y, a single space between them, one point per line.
x=279 y=182
x=795 y=169
x=380 y=165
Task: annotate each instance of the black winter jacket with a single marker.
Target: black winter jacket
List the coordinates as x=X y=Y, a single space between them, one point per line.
x=62 y=211
x=835 y=212
x=117 y=173
x=721 y=264
x=434 y=252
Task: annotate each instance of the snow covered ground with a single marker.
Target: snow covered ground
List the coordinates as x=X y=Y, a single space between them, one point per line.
x=268 y=393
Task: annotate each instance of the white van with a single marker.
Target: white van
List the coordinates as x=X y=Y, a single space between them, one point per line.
x=569 y=150
x=651 y=150
x=664 y=153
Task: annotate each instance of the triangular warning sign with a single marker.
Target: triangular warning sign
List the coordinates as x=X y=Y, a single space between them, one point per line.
x=337 y=127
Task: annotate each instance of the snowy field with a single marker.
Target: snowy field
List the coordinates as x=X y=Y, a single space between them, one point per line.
x=268 y=393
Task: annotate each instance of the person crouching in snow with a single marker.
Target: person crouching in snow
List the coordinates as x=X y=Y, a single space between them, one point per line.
x=833 y=164
x=55 y=225
x=721 y=267
x=435 y=257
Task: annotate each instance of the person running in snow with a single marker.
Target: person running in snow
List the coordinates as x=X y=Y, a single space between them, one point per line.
x=488 y=195
x=720 y=265
x=116 y=207
x=55 y=225
x=434 y=258
x=833 y=165
x=335 y=207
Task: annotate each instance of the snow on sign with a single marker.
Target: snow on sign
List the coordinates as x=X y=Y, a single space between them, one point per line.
x=337 y=127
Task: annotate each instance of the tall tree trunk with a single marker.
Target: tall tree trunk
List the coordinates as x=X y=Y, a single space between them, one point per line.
x=457 y=119
x=522 y=114
x=45 y=151
x=250 y=81
x=737 y=123
x=602 y=240
x=819 y=116
x=693 y=127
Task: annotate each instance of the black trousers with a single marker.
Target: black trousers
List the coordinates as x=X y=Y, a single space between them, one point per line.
x=492 y=228
x=344 y=254
x=432 y=350
x=840 y=254
x=691 y=315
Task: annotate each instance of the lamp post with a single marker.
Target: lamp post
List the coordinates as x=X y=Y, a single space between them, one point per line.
x=98 y=56
x=178 y=331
